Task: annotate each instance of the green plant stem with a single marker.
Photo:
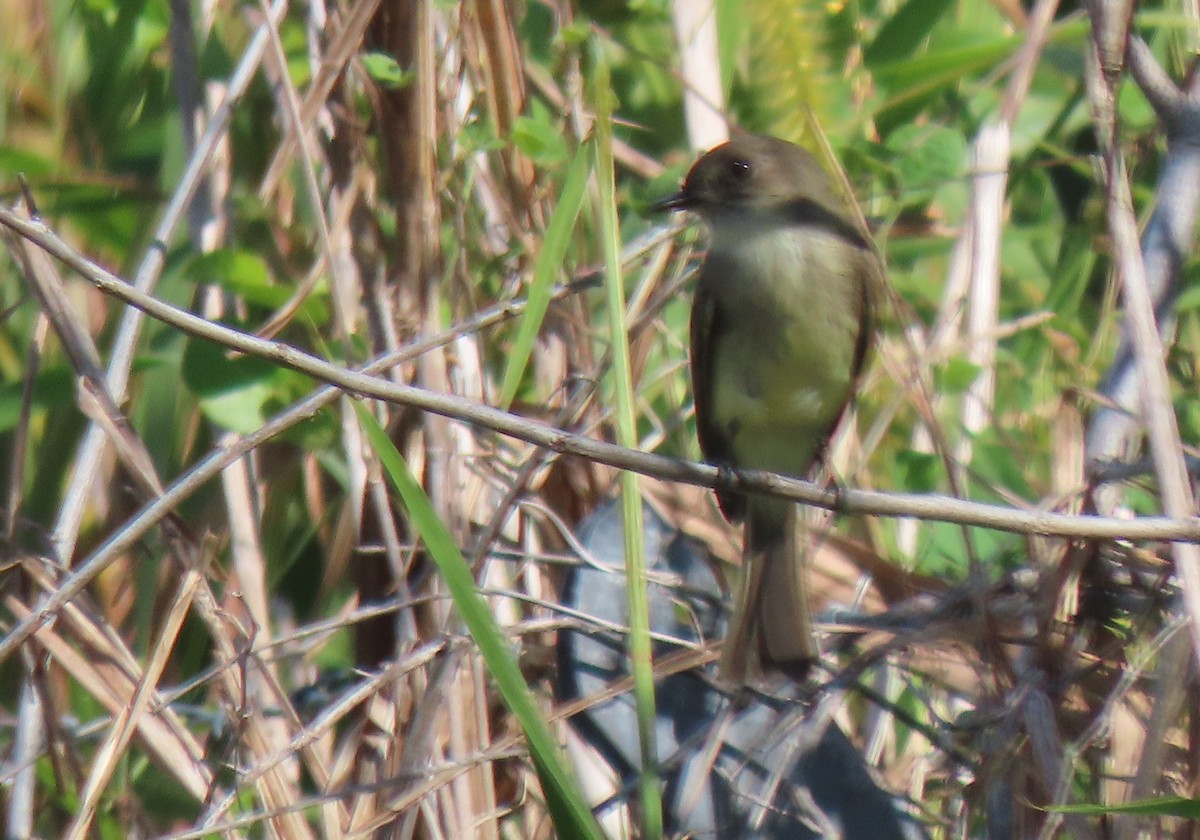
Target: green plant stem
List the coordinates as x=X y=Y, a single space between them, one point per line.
x=640 y=653
x=568 y=807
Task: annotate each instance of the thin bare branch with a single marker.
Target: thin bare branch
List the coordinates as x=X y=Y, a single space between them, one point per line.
x=91 y=451
x=931 y=506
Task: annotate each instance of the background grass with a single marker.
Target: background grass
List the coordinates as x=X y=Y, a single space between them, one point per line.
x=275 y=649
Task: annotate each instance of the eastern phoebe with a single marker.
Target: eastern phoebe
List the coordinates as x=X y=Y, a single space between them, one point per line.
x=781 y=326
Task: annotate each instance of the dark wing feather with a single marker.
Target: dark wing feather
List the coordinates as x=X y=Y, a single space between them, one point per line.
x=870 y=280
x=871 y=288
x=808 y=212
x=708 y=322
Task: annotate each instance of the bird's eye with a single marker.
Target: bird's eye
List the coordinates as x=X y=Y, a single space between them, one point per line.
x=739 y=168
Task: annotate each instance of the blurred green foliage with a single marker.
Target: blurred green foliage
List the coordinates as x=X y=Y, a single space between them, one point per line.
x=90 y=118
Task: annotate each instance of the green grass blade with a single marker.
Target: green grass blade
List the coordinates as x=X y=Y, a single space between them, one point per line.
x=903 y=32
x=546 y=270
x=568 y=807
x=640 y=654
x=1163 y=806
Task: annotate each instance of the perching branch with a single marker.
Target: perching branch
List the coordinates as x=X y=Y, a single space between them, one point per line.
x=924 y=506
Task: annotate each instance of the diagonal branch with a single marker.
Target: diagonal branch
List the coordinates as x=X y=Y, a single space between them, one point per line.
x=1115 y=429
x=929 y=506
x=1147 y=311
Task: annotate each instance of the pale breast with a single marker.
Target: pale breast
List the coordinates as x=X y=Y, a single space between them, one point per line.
x=789 y=307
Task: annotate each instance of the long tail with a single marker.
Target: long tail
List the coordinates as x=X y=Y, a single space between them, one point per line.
x=771 y=626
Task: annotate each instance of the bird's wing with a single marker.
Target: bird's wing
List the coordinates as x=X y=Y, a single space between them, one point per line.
x=708 y=323
x=872 y=289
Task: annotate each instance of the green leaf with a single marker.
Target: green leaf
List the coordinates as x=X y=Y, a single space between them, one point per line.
x=385 y=70
x=575 y=33
x=1163 y=806
x=1189 y=300
x=927 y=157
x=910 y=82
x=53 y=386
x=956 y=376
x=935 y=69
x=919 y=471
x=541 y=141
x=546 y=270
x=107 y=216
x=15 y=160
x=915 y=79
x=233 y=391
x=245 y=273
x=572 y=816
x=293 y=34
x=904 y=31
x=994 y=463
x=229 y=266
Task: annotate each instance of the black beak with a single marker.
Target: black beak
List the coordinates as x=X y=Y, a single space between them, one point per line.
x=679 y=201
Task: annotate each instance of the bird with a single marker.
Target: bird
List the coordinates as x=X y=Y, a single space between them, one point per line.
x=781 y=327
